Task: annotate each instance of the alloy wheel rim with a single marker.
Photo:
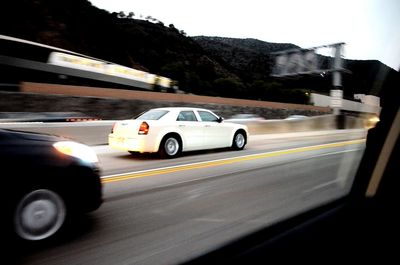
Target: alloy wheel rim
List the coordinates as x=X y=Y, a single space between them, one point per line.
x=239 y=140
x=171 y=146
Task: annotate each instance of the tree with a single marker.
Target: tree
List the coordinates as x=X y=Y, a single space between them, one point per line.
x=174 y=70
x=229 y=87
x=121 y=14
x=172 y=27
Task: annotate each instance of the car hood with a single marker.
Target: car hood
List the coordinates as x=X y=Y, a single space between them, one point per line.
x=30 y=136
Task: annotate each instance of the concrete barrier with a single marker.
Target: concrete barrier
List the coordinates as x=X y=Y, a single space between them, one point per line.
x=90 y=133
x=316 y=123
x=96 y=132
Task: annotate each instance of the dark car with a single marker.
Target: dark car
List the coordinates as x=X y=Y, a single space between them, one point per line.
x=45 y=180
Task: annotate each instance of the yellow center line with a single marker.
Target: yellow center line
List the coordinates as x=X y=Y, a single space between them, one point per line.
x=225 y=161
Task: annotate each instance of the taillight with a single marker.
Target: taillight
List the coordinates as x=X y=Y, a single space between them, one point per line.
x=144 y=128
x=113 y=127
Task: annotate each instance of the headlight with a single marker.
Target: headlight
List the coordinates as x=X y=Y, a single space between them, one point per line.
x=77 y=150
x=374 y=119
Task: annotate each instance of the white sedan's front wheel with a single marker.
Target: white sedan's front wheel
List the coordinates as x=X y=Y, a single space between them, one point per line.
x=239 y=140
x=39 y=215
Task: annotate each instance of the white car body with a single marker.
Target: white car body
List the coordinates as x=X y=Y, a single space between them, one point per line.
x=296 y=117
x=245 y=118
x=190 y=125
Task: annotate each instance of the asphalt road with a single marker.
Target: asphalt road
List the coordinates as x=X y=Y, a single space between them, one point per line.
x=168 y=211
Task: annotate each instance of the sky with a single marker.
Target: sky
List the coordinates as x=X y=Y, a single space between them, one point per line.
x=370 y=28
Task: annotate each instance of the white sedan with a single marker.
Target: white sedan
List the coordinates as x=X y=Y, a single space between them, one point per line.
x=170 y=131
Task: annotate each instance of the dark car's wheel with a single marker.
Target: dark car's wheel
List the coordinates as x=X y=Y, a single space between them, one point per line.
x=39 y=215
x=170 y=146
x=239 y=140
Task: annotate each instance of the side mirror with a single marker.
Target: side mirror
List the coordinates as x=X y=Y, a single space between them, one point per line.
x=220 y=119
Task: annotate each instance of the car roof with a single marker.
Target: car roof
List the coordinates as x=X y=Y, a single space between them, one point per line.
x=179 y=108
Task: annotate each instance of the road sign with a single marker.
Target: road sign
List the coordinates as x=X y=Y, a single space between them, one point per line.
x=308 y=61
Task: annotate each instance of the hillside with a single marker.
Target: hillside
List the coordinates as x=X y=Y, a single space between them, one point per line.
x=216 y=66
x=78 y=26
x=248 y=58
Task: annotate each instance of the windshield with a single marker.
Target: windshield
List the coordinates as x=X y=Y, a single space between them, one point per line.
x=246 y=114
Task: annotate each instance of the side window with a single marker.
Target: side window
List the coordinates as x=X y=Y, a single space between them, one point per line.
x=186 y=116
x=207 y=116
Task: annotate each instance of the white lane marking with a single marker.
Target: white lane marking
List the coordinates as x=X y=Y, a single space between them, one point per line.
x=210 y=220
x=320 y=186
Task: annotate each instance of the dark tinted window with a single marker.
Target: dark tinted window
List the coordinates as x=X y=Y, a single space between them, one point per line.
x=207 y=116
x=186 y=115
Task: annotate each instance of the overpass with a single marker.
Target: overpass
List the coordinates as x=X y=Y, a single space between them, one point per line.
x=22 y=60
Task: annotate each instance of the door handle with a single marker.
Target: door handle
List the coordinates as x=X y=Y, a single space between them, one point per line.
x=207 y=125
x=181 y=125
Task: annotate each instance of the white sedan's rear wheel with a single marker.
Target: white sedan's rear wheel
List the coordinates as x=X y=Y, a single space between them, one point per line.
x=39 y=215
x=170 y=147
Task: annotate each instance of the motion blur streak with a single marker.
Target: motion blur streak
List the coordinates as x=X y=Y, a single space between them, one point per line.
x=220 y=162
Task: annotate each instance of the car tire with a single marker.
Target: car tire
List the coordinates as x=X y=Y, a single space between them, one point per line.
x=39 y=215
x=239 y=140
x=170 y=147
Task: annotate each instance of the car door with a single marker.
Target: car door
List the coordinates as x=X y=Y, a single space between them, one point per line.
x=191 y=130
x=216 y=133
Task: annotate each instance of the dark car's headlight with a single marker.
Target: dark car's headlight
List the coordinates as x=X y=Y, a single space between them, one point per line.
x=80 y=151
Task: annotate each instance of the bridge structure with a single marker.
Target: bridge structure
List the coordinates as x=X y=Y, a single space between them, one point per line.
x=23 y=60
